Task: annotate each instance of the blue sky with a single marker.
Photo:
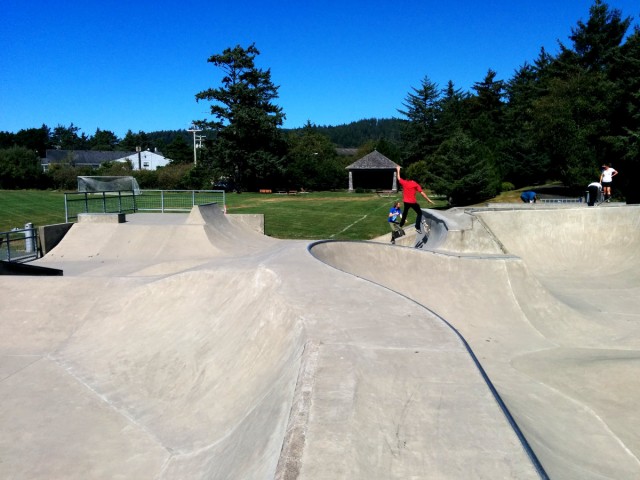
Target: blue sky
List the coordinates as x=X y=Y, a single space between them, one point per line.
x=119 y=65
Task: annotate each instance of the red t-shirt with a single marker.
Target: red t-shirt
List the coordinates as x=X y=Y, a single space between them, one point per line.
x=410 y=189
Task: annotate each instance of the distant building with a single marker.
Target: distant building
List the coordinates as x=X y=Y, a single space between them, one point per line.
x=374 y=171
x=144 y=160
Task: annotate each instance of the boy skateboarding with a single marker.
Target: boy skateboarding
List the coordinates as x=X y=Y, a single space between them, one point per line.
x=394 y=222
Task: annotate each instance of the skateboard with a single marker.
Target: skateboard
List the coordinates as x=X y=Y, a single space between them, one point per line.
x=422 y=235
x=396 y=232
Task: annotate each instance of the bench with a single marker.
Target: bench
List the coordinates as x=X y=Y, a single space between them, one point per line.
x=385 y=193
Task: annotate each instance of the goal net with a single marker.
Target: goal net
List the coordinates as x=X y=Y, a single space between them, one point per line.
x=108 y=184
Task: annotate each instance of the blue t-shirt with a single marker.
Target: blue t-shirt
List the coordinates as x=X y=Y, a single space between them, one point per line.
x=528 y=196
x=396 y=213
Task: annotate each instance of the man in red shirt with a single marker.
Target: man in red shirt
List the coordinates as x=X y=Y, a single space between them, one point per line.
x=410 y=190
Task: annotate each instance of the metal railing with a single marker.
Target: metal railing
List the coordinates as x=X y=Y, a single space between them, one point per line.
x=177 y=200
x=20 y=244
x=562 y=200
x=163 y=201
x=76 y=203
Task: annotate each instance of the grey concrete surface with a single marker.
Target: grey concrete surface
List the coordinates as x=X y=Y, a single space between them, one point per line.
x=192 y=346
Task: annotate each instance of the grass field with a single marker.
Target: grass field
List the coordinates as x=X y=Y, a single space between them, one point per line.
x=319 y=215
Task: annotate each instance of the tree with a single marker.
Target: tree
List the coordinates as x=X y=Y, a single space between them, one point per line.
x=131 y=141
x=67 y=138
x=522 y=162
x=313 y=162
x=103 y=140
x=422 y=109
x=36 y=139
x=454 y=111
x=596 y=43
x=578 y=115
x=179 y=152
x=462 y=169
x=248 y=146
x=625 y=139
x=19 y=168
x=487 y=111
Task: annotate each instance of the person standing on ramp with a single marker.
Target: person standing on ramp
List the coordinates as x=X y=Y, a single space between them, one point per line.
x=410 y=190
x=606 y=179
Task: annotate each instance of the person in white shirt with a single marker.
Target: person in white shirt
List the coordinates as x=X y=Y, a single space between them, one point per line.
x=606 y=178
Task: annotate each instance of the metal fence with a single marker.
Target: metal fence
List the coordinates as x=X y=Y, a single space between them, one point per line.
x=177 y=200
x=102 y=202
x=76 y=203
x=20 y=244
x=562 y=200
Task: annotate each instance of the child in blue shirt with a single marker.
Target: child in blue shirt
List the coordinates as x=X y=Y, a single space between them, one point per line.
x=528 y=197
x=394 y=216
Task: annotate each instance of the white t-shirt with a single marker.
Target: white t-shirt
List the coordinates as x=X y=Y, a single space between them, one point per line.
x=607 y=175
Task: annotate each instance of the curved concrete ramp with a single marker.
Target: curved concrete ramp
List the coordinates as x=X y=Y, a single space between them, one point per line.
x=555 y=321
x=192 y=346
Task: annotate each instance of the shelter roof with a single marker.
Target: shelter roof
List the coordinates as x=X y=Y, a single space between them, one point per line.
x=373 y=161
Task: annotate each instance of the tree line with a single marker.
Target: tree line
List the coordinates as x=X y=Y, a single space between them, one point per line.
x=558 y=118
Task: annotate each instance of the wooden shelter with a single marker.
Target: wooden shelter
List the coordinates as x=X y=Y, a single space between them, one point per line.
x=374 y=171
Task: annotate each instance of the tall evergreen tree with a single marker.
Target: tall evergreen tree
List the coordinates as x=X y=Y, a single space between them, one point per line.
x=422 y=109
x=576 y=116
x=249 y=146
x=626 y=119
x=462 y=169
x=487 y=110
x=454 y=111
x=522 y=162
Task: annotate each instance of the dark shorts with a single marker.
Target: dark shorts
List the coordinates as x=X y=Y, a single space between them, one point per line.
x=606 y=184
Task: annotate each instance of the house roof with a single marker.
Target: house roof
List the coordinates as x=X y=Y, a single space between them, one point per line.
x=84 y=157
x=373 y=161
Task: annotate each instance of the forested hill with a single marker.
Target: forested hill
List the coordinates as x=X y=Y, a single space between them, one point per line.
x=356 y=134
x=349 y=135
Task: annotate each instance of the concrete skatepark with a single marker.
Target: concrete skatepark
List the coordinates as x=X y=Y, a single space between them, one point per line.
x=193 y=346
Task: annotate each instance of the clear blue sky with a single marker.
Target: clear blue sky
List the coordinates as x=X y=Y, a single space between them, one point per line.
x=138 y=65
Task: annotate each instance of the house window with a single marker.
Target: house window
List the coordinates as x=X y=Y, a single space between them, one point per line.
x=145 y=164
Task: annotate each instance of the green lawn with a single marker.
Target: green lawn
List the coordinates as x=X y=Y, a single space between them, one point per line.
x=321 y=215
x=18 y=207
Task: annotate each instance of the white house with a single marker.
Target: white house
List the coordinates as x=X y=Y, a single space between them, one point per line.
x=145 y=160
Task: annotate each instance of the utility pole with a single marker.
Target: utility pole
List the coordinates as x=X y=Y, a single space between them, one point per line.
x=194 y=130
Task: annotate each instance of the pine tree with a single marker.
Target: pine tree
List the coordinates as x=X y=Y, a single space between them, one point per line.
x=249 y=148
x=422 y=109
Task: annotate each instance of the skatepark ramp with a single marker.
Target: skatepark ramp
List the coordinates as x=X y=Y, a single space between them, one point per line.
x=193 y=346
x=553 y=320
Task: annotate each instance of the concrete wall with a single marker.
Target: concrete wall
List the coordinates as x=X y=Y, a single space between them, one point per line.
x=50 y=235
